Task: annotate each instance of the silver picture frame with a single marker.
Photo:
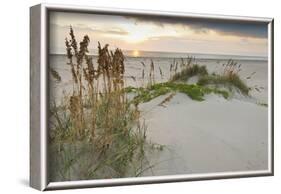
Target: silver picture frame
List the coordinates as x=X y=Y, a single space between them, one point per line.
x=39 y=97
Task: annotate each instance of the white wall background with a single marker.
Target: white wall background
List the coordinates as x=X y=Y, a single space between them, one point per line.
x=14 y=94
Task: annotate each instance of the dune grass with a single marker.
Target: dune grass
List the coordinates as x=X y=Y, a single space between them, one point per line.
x=195 y=92
x=96 y=132
x=83 y=160
x=226 y=81
x=229 y=77
x=188 y=72
x=221 y=84
x=262 y=104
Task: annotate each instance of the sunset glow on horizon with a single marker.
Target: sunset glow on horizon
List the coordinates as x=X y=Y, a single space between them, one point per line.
x=136 y=53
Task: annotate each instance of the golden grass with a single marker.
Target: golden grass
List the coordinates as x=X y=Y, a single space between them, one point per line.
x=97 y=117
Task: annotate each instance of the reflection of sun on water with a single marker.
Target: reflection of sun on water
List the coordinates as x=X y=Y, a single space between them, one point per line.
x=136 y=53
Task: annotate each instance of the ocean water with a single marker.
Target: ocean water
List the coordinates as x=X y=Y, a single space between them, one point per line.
x=134 y=68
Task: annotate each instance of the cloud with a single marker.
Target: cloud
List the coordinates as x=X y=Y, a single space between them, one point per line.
x=83 y=27
x=227 y=28
x=112 y=31
x=182 y=39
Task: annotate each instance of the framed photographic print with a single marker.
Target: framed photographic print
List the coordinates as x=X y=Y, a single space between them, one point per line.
x=123 y=97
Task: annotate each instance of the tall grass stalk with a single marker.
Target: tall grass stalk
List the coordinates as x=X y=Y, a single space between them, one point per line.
x=95 y=133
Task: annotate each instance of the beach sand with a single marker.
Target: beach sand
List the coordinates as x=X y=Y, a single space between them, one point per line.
x=215 y=135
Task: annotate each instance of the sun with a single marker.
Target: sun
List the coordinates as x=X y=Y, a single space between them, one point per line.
x=136 y=53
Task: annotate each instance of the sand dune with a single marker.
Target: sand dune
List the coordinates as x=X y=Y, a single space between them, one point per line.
x=211 y=136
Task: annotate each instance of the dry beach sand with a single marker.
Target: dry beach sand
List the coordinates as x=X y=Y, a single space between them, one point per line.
x=215 y=135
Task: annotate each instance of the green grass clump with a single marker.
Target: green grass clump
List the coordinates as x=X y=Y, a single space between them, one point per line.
x=189 y=71
x=228 y=78
x=225 y=80
x=262 y=104
x=194 y=91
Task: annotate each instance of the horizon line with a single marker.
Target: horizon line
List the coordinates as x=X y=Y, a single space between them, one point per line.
x=217 y=54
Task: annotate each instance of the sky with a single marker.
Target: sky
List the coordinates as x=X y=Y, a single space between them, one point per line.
x=142 y=33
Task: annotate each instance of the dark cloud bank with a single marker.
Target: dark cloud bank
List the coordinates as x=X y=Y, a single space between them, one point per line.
x=235 y=28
